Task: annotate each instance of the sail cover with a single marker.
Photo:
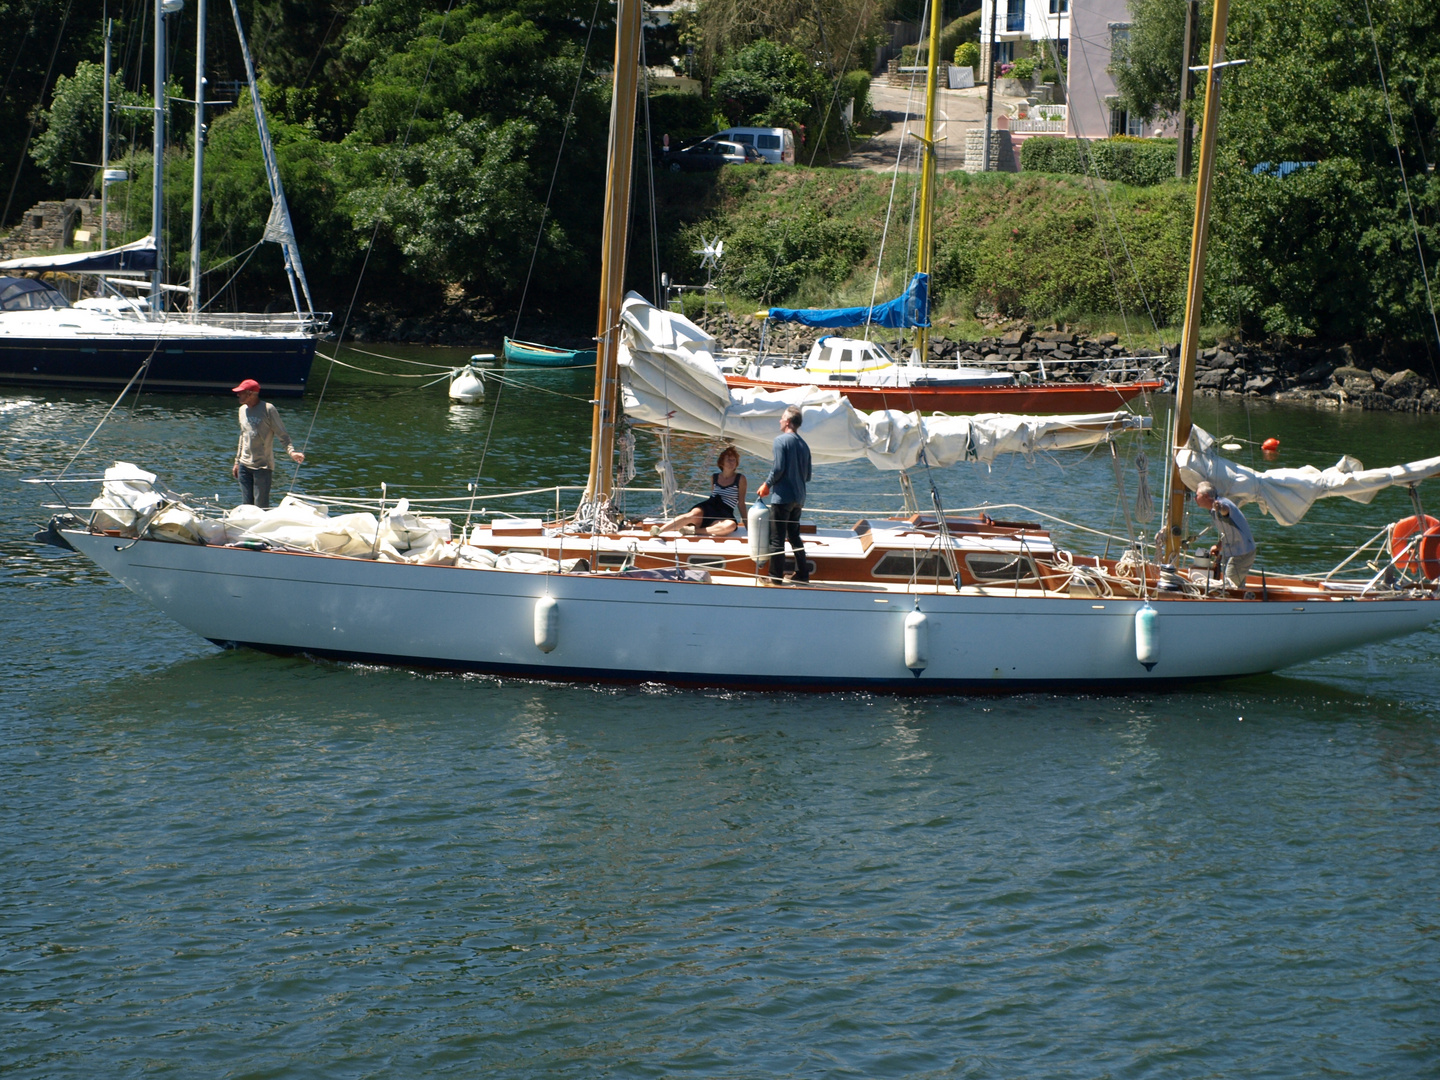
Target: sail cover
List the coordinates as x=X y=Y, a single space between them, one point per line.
x=669 y=377
x=1287 y=494
x=910 y=308
x=138 y=256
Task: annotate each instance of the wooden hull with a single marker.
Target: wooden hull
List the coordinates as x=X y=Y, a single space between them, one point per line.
x=1043 y=400
x=527 y=352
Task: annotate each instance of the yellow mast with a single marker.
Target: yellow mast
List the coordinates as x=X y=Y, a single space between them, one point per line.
x=612 y=256
x=924 y=239
x=1174 y=533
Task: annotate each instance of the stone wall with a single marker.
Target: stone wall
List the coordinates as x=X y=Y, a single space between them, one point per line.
x=51 y=227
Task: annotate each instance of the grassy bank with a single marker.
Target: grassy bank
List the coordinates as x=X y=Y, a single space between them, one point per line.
x=1035 y=247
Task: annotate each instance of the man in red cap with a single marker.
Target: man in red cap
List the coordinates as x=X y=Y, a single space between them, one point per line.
x=260 y=426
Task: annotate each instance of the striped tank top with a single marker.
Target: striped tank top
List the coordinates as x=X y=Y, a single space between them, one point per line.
x=730 y=496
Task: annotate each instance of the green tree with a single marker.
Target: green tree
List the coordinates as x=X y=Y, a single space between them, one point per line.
x=1146 y=62
x=71 y=128
x=770 y=85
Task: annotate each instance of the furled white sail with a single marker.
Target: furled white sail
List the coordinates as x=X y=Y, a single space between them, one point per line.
x=1287 y=494
x=669 y=376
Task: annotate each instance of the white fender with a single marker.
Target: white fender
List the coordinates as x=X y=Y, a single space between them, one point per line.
x=757 y=528
x=1147 y=636
x=547 y=623
x=917 y=641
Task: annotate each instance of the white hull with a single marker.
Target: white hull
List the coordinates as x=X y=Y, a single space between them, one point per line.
x=636 y=630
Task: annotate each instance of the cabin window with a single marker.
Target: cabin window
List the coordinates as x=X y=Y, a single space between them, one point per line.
x=830 y=356
x=1006 y=569
x=707 y=562
x=611 y=560
x=912 y=564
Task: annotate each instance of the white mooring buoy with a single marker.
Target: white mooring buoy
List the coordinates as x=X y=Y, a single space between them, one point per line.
x=917 y=641
x=466 y=386
x=547 y=623
x=1147 y=636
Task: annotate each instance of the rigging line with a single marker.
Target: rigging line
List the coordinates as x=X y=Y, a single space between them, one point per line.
x=894 y=184
x=555 y=172
x=138 y=371
x=1400 y=160
x=650 y=176
x=824 y=124
x=15 y=64
x=386 y=374
x=374 y=234
x=402 y=360
x=217 y=293
x=569 y=116
x=35 y=116
x=1115 y=223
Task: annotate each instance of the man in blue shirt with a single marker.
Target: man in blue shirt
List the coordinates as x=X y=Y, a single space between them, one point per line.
x=1236 y=546
x=788 y=477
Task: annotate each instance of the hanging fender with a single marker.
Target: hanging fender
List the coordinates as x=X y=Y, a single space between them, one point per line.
x=547 y=623
x=757 y=530
x=1147 y=636
x=917 y=641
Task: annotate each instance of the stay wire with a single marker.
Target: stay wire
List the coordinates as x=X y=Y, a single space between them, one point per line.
x=569 y=116
x=555 y=172
x=35 y=116
x=374 y=235
x=1404 y=181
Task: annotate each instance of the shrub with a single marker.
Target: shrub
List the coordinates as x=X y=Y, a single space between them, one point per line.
x=967 y=55
x=1132 y=161
x=855 y=86
x=1023 y=68
x=908 y=55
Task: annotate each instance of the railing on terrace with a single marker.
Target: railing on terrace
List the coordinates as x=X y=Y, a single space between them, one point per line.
x=1040 y=119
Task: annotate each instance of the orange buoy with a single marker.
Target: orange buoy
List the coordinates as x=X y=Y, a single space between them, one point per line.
x=1270 y=445
x=1425 y=555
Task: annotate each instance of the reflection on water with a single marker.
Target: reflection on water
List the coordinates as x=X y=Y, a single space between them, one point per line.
x=226 y=863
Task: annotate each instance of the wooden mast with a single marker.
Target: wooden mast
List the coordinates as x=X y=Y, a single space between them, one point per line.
x=621 y=156
x=1174 y=532
x=924 y=234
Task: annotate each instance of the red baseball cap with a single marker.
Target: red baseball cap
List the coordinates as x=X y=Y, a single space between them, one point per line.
x=247 y=385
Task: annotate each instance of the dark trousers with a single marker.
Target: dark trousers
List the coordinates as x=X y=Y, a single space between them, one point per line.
x=785 y=525
x=255 y=486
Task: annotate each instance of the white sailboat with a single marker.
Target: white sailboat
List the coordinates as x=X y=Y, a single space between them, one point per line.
x=45 y=341
x=923 y=603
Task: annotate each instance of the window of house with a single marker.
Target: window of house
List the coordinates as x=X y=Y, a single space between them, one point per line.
x=1004 y=52
x=1059 y=7
x=1118 y=32
x=1123 y=123
x=1014 y=16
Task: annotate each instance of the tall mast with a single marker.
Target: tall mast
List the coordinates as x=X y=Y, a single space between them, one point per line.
x=105 y=142
x=1174 y=534
x=199 y=155
x=924 y=240
x=612 y=255
x=157 y=190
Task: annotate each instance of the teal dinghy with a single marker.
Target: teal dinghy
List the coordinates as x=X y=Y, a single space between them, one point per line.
x=527 y=352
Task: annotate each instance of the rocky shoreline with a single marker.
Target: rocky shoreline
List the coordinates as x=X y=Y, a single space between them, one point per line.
x=1318 y=376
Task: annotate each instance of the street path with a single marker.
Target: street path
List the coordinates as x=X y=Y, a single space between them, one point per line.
x=958 y=112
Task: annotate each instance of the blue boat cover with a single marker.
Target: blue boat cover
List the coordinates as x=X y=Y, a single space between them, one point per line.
x=911 y=308
x=137 y=256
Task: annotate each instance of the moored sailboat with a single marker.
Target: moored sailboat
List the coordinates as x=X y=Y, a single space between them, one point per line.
x=920 y=603
x=47 y=342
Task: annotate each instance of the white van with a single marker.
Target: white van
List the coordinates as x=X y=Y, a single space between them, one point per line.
x=776 y=145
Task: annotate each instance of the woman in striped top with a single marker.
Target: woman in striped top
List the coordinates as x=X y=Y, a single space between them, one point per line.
x=721 y=513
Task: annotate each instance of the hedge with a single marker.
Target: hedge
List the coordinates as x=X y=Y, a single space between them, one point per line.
x=1132 y=161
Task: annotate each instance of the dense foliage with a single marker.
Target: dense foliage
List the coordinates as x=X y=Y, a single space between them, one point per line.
x=1131 y=161
x=1328 y=249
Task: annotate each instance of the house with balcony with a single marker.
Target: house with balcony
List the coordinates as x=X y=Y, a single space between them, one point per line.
x=1082 y=34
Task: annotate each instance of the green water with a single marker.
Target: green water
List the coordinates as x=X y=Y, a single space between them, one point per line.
x=224 y=864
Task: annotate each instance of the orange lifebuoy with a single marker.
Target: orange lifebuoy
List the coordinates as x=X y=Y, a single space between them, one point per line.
x=1426 y=553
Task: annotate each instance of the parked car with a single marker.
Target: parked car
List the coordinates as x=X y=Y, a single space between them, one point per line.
x=711 y=154
x=776 y=145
